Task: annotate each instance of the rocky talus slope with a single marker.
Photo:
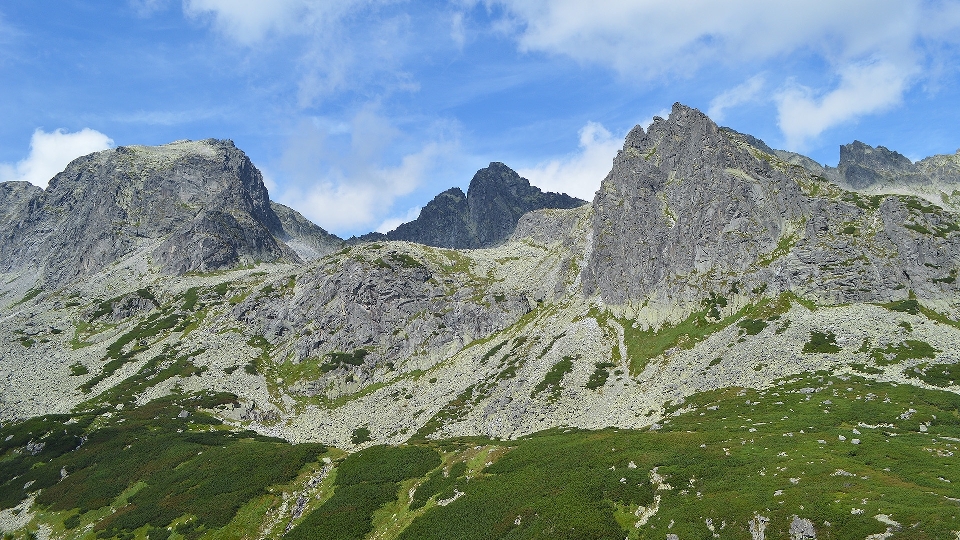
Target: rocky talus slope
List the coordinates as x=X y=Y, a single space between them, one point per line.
x=717 y=297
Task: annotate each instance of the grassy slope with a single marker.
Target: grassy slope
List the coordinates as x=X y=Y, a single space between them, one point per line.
x=726 y=456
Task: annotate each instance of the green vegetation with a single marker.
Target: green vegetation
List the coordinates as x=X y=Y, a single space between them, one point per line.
x=601 y=373
x=937 y=374
x=140 y=335
x=31 y=294
x=945 y=228
x=440 y=484
x=752 y=327
x=821 y=342
x=863 y=368
x=916 y=227
x=910 y=349
x=190 y=298
x=493 y=350
x=784 y=245
x=829 y=449
x=255 y=364
x=105 y=307
x=948 y=279
x=864 y=202
x=360 y=435
x=553 y=380
x=910 y=305
x=644 y=345
x=406 y=261
x=164 y=366
x=550 y=346
x=77 y=369
x=162 y=455
x=222 y=288
x=342 y=359
x=365 y=481
x=781 y=447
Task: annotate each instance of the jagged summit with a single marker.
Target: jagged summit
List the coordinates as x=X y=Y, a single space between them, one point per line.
x=485 y=216
x=862 y=166
x=717 y=212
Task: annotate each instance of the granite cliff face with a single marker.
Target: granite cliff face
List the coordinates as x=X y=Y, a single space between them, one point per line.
x=485 y=216
x=720 y=213
x=193 y=205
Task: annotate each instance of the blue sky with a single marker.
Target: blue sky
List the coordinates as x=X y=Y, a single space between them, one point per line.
x=359 y=111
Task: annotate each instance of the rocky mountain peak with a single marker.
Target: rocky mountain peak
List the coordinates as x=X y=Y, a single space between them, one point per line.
x=192 y=205
x=485 y=216
x=862 y=165
x=717 y=212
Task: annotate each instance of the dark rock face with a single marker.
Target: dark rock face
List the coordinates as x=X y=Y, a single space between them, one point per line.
x=443 y=222
x=205 y=198
x=486 y=216
x=689 y=208
x=862 y=166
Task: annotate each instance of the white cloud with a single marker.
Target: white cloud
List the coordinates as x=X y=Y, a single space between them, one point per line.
x=457 y=32
x=348 y=182
x=865 y=88
x=861 y=43
x=342 y=44
x=578 y=174
x=146 y=8
x=394 y=222
x=654 y=37
x=746 y=92
x=249 y=21
x=51 y=152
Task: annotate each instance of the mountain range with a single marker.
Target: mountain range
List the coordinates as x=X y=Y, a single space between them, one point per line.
x=728 y=341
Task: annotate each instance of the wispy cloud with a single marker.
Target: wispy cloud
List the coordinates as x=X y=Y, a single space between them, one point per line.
x=9 y=34
x=863 y=89
x=390 y=224
x=864 y=43
x=249 y=21
x=168 y=118
x=345 y=182
x=578 y=174
x=341 y=44
x=51 y=152
x=146 y=8
x=747 y=92
x=457 y=31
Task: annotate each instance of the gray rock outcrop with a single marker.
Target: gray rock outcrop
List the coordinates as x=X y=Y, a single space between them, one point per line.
x=802 y=529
